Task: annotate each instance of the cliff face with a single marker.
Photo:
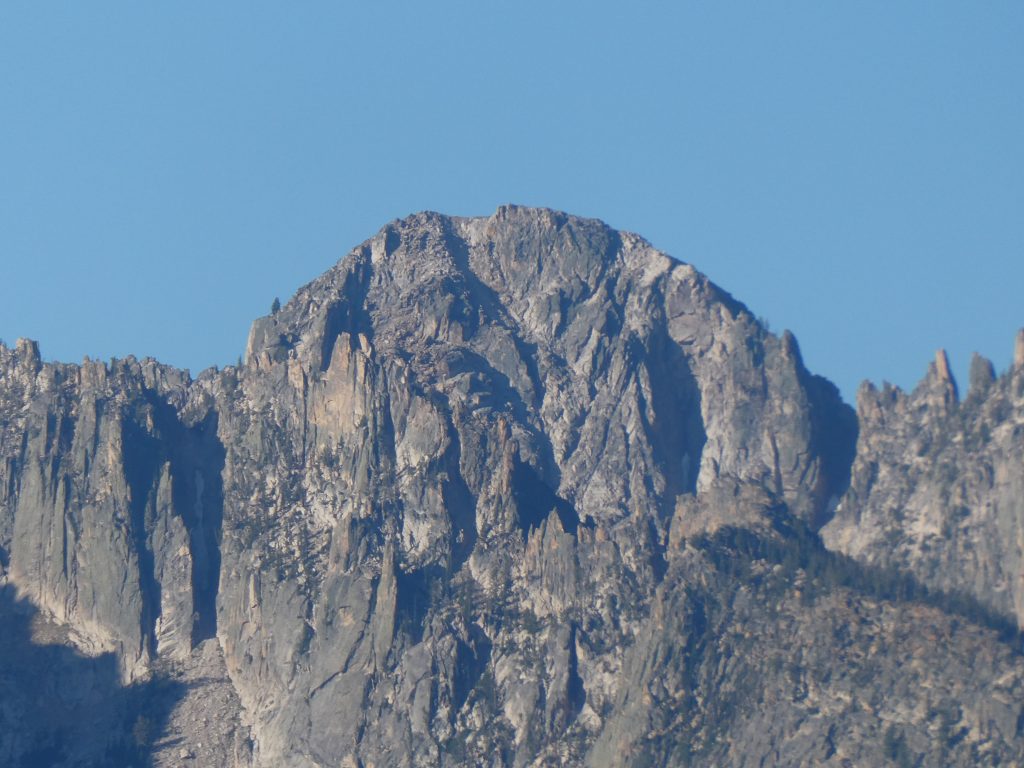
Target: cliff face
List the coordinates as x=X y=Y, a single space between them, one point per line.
x=452 y=465
x=108 y=491
x=507 y=491
x=938 y=484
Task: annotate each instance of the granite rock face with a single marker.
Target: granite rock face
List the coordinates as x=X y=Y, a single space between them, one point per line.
x=517 y=490
x=109 y=508
x=937 y=488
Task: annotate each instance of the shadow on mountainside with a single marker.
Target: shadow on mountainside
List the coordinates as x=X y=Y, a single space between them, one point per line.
x=59 y=707
x=733 y=550
x=196 y=458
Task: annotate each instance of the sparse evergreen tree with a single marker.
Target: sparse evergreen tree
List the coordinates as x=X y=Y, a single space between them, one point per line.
x=143 y=731
x=276 y=306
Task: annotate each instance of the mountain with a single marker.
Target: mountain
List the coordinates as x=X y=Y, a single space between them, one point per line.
x=938 y=486
x=507 y=491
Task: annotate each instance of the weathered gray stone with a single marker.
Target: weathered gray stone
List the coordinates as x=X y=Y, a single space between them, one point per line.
x=937 y=488
x=983 y=375
x=516 y=490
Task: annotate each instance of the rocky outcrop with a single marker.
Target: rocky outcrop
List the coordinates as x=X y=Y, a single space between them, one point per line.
x=516 y=490
x=110 y=502
x=937 y=488
x=498 y=412
x=751 y=659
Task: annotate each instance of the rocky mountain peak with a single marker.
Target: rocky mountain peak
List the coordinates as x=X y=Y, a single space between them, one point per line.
x=544 y=306
x=982 y=375
x=510 y=490
x=939 y=386
x=505 y=268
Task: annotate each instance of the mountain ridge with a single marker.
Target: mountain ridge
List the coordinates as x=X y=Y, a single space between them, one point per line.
x=517 y=489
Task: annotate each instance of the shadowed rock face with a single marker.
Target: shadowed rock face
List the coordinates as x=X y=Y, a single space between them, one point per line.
x=60 y=707
x=518 y=490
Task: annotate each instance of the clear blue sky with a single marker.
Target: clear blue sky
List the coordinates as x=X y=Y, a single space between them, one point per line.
x=851 y=171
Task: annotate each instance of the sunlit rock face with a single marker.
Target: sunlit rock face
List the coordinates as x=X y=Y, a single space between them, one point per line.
x=938 y=484
x=517 y=490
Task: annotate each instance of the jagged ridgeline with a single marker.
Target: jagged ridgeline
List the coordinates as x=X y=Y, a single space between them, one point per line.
x=508 y=491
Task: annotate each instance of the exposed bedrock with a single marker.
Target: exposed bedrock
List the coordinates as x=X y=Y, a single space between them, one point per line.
x=523 y=490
